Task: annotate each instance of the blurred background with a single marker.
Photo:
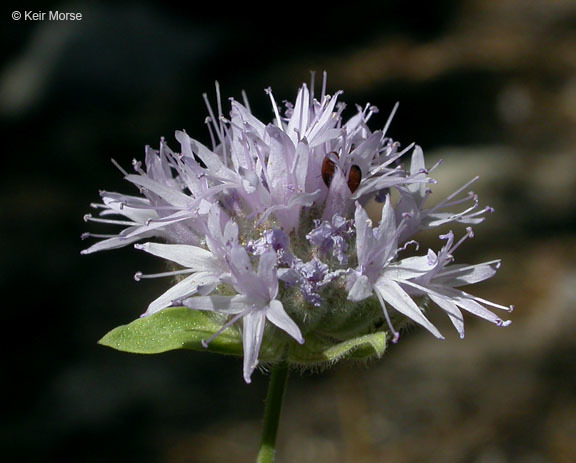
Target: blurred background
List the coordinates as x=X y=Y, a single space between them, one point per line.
x=489 y=86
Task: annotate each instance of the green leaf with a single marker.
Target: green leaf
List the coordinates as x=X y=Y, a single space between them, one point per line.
x=318 y=350
x=181 y=328
x=174 y=328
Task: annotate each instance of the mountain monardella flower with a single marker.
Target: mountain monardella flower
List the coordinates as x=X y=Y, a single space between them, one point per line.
x=269 y=229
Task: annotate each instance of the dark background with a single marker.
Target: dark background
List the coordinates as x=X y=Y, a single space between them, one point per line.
x=489 y=86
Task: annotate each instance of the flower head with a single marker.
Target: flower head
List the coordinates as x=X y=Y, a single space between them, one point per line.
x=269 y=229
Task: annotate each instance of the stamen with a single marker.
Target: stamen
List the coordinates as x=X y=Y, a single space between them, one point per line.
x=245 y=100
x=124 y=204
x=469 y=234
x=139 y=275
x=436 y=165
x=391 y=160
x=211 y=132
x=455 y=193
x=230 y=322
x=470 y=196
x=172 y=219
x=323 y=94
x=389 y=121
x=312 y=84
x=445 y=273
x=274 y=107
x=486 y=209
x=395 y=334
x=86 y=235
x=509 y=308
x=212 y=118
x=119 y=167
x=88 y=217
x=414 y=242
x=249 y=159
x=260 y=157
x=137 y=166
x=372 y=110
x=465 y=213
x=221 y=121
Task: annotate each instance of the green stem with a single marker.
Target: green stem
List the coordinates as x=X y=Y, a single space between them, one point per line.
x=276 y=389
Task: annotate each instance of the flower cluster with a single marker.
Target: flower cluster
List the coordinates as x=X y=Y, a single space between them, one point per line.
x=270 y=226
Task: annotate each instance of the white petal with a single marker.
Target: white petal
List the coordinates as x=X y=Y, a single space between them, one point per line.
x=392 y=293
x=178 y=216
x=238 y=110
x=296 y=200
x=364 y=235
x=364 y=153
x=184 y=288
x=240 y=266
x=288 y=215
x=252 y=336
x=411 y=267
x=300 y=166
x=374 y=184
x=417 y=161
x=191 y=257
x=361 y=289
x=299 y=120
x=170 y=194
x=417 y=165
x=466 y=302
x=214 y=224
x=116 y=204
x=230 y=232
x=324 y=136
x=267 y=272
x=223 y=304
x=278 y=316
x=289 y=276
x=338 y=200
x=453 y=312
x=115 y=242
x=387 y=227
x=325 y=121
x=214 y=166
x=439 y=218
x=459 y=275
x=280 y=158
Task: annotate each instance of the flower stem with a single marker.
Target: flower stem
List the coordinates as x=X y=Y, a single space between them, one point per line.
x=276 y=389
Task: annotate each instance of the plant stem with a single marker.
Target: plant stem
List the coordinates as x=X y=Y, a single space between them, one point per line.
x=276 y=389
